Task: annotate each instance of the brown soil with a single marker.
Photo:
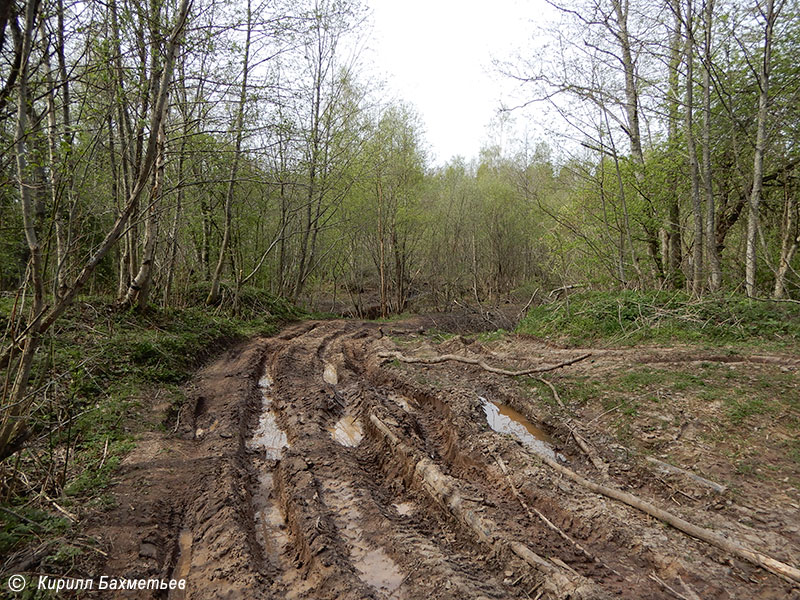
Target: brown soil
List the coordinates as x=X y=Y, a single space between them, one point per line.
x=392 y=484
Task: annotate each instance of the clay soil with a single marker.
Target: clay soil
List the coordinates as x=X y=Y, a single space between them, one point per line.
x=306 y=466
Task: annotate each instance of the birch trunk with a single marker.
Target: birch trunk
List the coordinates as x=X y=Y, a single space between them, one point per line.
x=770 y=15
x=213 y=294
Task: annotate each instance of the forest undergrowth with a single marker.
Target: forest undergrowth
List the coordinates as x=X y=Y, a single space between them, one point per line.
x=97 y=379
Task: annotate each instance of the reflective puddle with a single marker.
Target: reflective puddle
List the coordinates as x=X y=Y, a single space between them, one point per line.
x=375 y=567
x=329 y=374
x=347 y=431
x=504 y=419
x=270 y=525
x=404 y=508
x=185 y=540
x=403 y=402
x=268 y=436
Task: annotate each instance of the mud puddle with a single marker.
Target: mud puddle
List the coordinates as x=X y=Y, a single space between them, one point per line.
x=405 y=508
x=270 y=524
x=268 y=436
x=347 y=431
x=329 y=374
x=504 y=419
x=373 y=564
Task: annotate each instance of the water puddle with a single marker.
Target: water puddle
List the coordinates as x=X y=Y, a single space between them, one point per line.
x=347 y=431
x=268 y=436
x=185 y=540
x=270 y=525
x=378 y=570
x=504 y=419
x=329 y=374
x=374 y=566
x=404 y=508
x=402 y=401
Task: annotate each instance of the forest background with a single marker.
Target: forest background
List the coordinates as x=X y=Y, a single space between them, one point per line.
x=233 y=158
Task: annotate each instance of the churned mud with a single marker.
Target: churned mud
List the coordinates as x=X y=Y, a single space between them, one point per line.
x=306 y=466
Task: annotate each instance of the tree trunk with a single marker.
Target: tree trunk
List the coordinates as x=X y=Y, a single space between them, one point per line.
x=714 y=267
x=46 y=319
x=770 y=16
x=697 y=208
x=791 y=238
x=13 y=419
x=213 y=294
x=139 y=289
x=381 y=250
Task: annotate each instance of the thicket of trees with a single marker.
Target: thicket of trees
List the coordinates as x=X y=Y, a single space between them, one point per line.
x=688 y=111
x=164 y=150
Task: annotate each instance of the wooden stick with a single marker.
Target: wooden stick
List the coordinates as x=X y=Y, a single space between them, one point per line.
x=553 y=389
x=787 y=572
x=596 y=460
x=545 y=520
x=719 y=488
x=20 y=517
x=476 y=361
x=664 y=584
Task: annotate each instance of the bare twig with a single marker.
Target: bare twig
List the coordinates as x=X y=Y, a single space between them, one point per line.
x=105 y=453
x=664 y=584
x=20 y=517
x=553 y=389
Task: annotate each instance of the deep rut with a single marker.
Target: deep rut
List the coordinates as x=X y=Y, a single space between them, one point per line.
x=357 y=479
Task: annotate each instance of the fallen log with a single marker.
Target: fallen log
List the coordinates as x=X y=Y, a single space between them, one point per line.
x=787 y=572
x=433 y=360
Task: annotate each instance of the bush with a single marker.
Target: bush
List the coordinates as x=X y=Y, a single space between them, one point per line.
x=658 y=316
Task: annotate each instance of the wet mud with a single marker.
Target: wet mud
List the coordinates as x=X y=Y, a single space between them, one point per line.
x=312 y=469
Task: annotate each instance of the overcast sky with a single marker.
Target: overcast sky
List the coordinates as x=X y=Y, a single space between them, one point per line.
x=437 y=55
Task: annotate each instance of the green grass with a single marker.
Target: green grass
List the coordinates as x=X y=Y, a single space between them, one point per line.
x=492 y=336
x=630 y=317
x=745 y=394
x=27 y=522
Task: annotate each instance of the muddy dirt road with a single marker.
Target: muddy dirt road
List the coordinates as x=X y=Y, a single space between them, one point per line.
x=309 y=467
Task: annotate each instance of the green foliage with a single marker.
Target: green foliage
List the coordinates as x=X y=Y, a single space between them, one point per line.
x=107 y=362
x=629 y=317
x=14 y=530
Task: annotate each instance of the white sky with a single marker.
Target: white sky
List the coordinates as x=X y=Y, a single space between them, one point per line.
x=437 y=55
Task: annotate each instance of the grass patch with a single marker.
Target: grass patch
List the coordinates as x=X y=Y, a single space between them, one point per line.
x=437 y=336
x=96 y=372
x=631 y=317
x=492 y=336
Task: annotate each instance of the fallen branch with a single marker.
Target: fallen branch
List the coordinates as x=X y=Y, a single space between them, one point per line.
x=555 y=393
x=433 y=360
x=531 y=511
x=662 y=466
x=667 y=587
x=20 y=517
x=596 y=460
x=521 y=313
x=565 y=288
x=787 y=572
x=443 y=489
